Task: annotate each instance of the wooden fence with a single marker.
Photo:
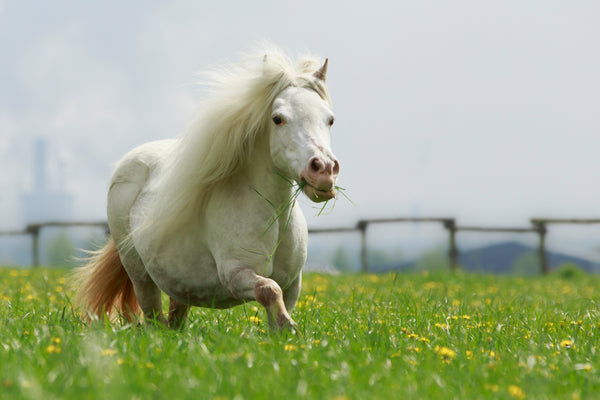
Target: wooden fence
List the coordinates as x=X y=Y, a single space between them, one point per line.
x=34 y=231
x=538 y=226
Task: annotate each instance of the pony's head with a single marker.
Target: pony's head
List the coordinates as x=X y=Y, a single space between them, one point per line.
x=300 y=142
x=268 y=95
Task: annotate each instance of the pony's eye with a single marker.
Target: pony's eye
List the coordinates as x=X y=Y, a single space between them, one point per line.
x=331 y=121
x=278 y=120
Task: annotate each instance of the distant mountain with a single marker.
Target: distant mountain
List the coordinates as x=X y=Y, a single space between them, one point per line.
x=506 y=257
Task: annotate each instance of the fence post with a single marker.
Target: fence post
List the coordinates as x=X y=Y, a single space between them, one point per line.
x=34 y=231
x=450 y=225
x=362 y=227
x=540 y=227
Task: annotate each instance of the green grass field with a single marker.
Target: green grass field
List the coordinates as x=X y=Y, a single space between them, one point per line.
x=405 y=336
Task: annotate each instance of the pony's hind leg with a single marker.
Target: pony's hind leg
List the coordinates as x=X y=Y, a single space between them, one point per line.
x=128 y=182
x=146 y=291
x=177 y=314
x=149 y=298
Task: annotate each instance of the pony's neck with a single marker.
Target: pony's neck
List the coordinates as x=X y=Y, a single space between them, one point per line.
x=262 y=175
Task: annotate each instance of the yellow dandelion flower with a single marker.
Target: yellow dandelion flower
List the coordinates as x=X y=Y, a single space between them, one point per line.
x=255 y=319
x=55 y=340
x=492 y=289
x=516 y=392
x=431 y=285
x=52 y=349
x=445 y=352
x=492 y=388
x=567 y=344
x=290 y=347
x=469 y=354
x=120 y=361
x=584 y=367
x=311 y=299
x=342 y=397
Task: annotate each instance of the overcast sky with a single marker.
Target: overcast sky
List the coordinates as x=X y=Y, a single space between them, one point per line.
x=486 y=111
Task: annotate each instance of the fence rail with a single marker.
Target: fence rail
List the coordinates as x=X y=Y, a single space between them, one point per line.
x=538 y=226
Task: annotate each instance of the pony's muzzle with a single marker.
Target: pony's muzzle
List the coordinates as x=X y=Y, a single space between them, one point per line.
x=320 y=176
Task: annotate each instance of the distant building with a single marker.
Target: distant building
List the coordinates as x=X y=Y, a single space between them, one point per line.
x=45 y=201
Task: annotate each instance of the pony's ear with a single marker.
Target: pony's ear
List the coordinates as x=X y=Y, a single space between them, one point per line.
x=321 y=73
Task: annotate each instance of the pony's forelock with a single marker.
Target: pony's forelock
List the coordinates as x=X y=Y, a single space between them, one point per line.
x=219 y=142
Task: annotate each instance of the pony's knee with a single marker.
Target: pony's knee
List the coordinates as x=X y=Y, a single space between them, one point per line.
x=268 y=293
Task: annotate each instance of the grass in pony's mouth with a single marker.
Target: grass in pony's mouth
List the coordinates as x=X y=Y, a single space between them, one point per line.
x=323 y=209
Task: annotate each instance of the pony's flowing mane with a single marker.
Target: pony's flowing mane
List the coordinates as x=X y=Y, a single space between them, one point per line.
x=220 y=141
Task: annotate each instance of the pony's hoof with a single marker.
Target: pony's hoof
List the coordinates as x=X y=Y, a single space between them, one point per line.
x=290 y=327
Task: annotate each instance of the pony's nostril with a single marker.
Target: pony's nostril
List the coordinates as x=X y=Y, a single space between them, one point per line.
x=316 y=165
x=336 y=167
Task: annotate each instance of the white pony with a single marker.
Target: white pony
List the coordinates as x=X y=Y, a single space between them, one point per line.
x=210 y=218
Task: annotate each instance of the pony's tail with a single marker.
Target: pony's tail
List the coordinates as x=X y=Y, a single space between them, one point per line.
x=103 y=286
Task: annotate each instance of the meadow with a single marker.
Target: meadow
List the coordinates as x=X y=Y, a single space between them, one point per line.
x=394 y=336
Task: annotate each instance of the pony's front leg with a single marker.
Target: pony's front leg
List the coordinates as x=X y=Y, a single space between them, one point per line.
x=245 y=284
